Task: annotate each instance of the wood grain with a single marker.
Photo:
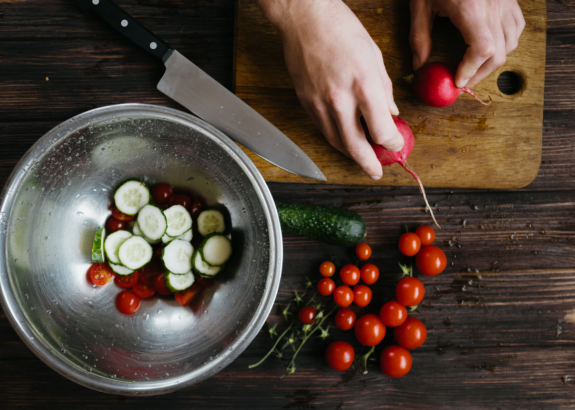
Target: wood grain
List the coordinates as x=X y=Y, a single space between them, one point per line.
x=464 y=145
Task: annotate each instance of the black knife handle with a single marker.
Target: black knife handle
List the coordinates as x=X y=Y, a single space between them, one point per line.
x=128 y=26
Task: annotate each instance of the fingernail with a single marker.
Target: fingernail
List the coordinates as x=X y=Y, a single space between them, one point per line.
x=376 y=177
x=397 y=149
x=394 y=110
x=462 y=83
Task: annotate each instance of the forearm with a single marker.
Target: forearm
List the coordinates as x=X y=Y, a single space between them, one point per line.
x=281 y=13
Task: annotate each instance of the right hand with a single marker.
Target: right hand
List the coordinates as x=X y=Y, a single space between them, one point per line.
x=339 y=76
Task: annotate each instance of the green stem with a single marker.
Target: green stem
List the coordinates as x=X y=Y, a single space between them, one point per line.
x=364 y=359
x=273 y=348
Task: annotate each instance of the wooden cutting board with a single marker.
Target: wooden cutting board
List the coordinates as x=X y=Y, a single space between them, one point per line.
x=464 y=145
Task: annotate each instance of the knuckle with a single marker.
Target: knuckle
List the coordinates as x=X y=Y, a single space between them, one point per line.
x=336 y=99
x=486 y=49
x=513 y=44
x=355 y=152
x=500 y=60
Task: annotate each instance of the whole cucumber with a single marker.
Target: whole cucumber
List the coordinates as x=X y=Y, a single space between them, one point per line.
x=328 y=224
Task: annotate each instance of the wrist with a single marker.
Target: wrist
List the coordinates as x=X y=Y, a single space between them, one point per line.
x=283 y=13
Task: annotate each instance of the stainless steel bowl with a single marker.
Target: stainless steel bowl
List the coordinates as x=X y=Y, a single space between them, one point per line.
x=51 y=205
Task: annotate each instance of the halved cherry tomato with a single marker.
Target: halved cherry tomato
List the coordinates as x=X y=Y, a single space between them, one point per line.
x=395 y=361
x=183 y=200
x=160 y=285
x=143 y=291
x=431 y=260
x=205 y=283
x=327 y=269
x=196 y=208
x=345 y=319
x=349 y=275
x=393 y=314
x=339 y=355
x=326 y=286
x=127 y=302
x=185 y=297
x=114 y=225
x=343 y=296
x=126 y=281
x=369 y=330
x=148 y=273
x=363 y=251
x=426 y=235
x=161 y=193
x=409 y=291
x=116 y=214
x=369 y=274
x=411 y=334
x=409 y=244
x=101 y=274
x=362 y=295
x=307 y=315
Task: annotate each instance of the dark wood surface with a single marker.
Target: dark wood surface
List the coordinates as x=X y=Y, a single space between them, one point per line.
x=501 y=318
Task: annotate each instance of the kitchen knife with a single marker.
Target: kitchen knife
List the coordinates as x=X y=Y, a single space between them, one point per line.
x=187 y=84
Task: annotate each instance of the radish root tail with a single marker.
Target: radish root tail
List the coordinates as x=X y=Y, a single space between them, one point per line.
x=471 y=93
x=407 y=167
x=409 y=79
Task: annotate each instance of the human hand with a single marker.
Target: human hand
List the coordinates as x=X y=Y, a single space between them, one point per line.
x=490 y=28
x=339 y=76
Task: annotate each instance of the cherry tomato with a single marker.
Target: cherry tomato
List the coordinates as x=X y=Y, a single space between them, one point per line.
x=127 y=302
x=327 y=269
x=183 y=200
x=362 y=295
x=148 y=273
x=307 y=315
x=369 y=330
x=143 y=291
x=185 y=297
x=409 y=291
x=343 y=296
x=369 y=274
x=426 y=235
x=393 y=314
x=126 y=281
x=411 y=334
x=326 y=286
x=431 y=260
x=101 y=274
x=395 y=361
x=363 y=251
x=409 y=244
x=204 y=283
x=349 y=275
x=161 y=193
x=339 y=355
x=160 y=285
x=345 y=319
x=116 y=214
x=196 y=208
x=114 y=225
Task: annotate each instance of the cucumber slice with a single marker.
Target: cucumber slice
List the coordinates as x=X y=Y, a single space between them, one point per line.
x=152 y=222
x=98 y=254
x=121 y=270
x=177 y=256
x=202 y=268
x=211 y=221
x=113 y=243
x=178 y=283
x=186 y=236
x=216 y=249
x=135 y=252
x=131 y=197
x=179 y=220
x=137 y=231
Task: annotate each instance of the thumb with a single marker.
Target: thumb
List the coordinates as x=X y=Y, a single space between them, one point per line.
x=420 y=32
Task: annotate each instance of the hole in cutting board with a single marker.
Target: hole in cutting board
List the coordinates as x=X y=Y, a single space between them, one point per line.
x=509 y=83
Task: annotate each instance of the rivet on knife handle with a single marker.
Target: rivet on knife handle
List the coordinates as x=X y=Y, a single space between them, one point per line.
x=127 y=26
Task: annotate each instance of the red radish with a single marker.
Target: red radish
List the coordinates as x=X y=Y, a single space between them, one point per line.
x=387 y=157
x=434 y=85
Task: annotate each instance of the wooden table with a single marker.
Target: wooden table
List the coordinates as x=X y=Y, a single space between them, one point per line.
x=501 y=318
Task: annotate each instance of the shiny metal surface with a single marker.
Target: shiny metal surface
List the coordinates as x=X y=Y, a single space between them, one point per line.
x=198 y=92
x=51 y=205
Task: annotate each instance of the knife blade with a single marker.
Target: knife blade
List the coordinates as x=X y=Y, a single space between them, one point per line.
x=193 y=88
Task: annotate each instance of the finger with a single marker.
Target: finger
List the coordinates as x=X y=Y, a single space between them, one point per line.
x=498 y=59
x=355 y=142
x=509 y=27
x=325 y=123
x=519 y=20
x=420 y=32
x=386 y=81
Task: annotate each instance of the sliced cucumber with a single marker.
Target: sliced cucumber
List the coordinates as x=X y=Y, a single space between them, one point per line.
x=135 y=252
x=178 y=283
x=211 y=221
x=216 y=249
x=179 y=220
x=177 y=256
x=152 y=222
x=137 y=231
x=113 y=243
x=202 y=268
x=121 y=270
x=98 y=254
x=186 y=236
x=131 y=197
